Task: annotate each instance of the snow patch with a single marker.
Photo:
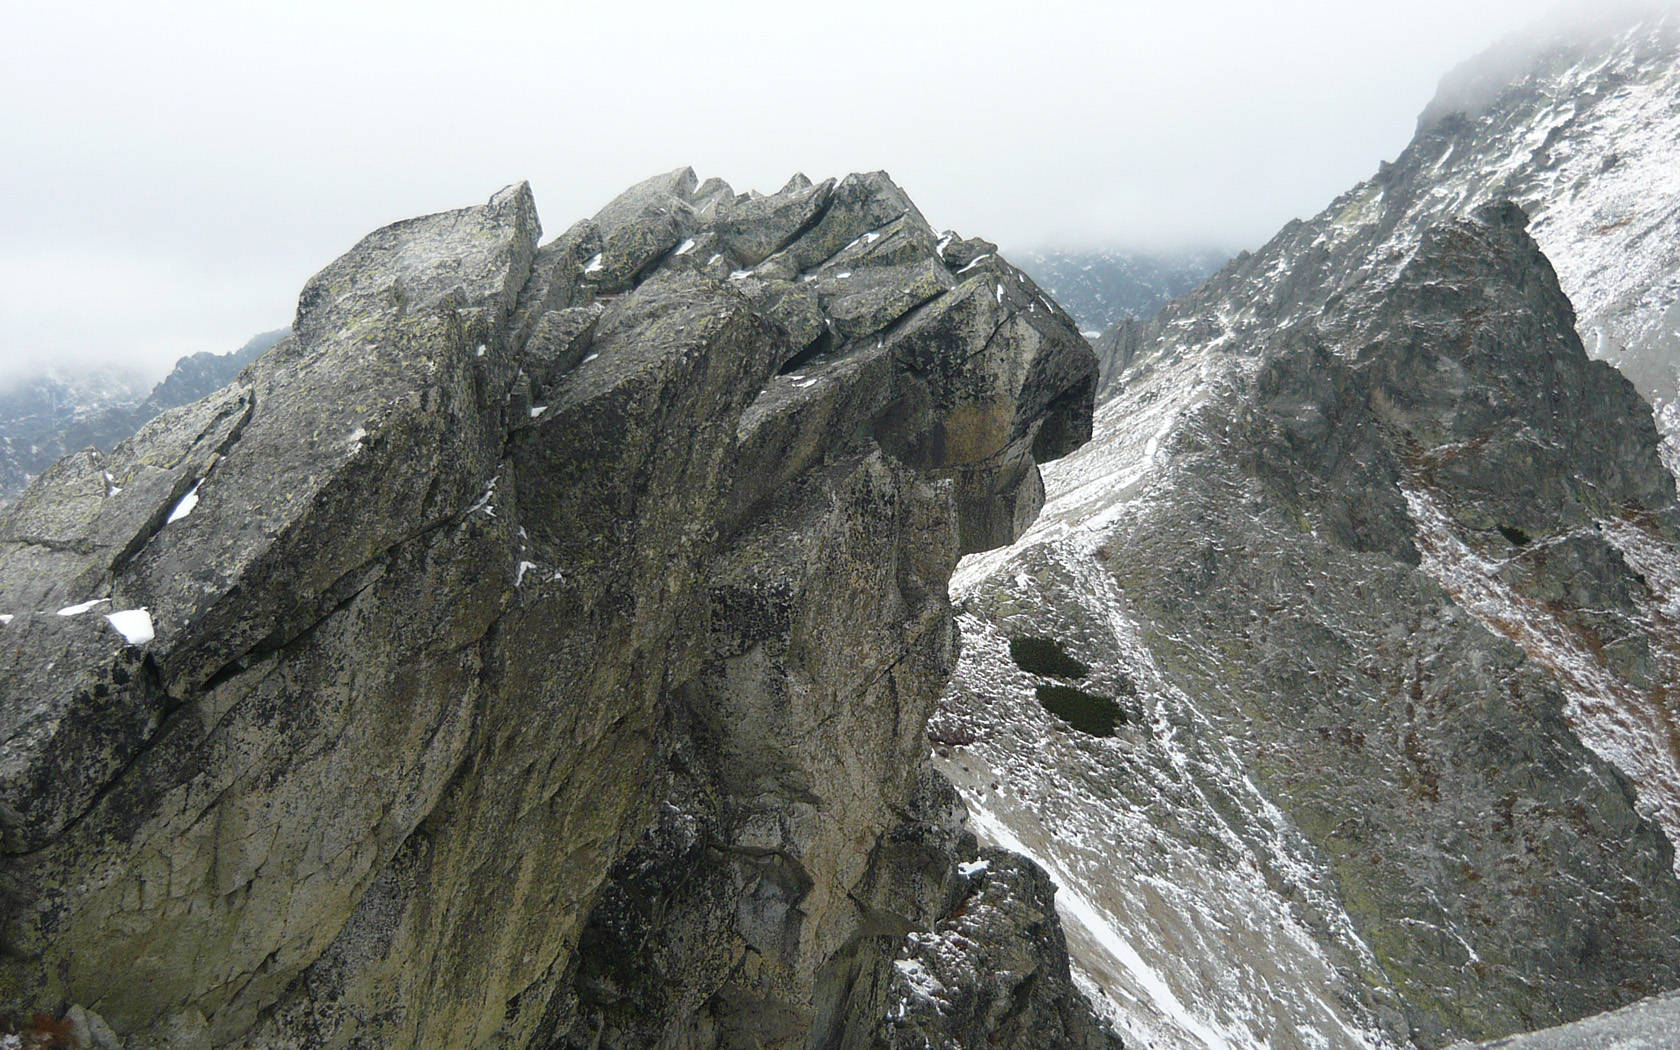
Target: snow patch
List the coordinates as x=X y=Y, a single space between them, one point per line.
x=186 y=504
x=484 y=499
x=77 y=610
x=135 y=625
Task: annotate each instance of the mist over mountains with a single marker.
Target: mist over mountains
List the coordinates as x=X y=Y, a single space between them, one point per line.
x=45 y=417
x=1101 y=287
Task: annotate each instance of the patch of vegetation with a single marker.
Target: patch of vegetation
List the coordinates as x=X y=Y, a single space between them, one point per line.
x=1045 y=656
x=1086 y=712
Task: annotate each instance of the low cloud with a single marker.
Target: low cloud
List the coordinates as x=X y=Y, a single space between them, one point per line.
x=176 y=171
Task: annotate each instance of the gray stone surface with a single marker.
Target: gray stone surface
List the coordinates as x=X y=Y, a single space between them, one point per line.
x=528 y=615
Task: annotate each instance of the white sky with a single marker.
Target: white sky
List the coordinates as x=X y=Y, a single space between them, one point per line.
x=171 y=173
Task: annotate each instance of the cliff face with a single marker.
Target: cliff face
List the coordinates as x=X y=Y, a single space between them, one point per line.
x=1333 y=684
x=534 y=648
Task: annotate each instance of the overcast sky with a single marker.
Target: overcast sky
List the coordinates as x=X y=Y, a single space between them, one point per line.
x=173 y=172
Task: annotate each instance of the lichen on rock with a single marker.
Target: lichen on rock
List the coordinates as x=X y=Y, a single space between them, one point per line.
x=546 y=654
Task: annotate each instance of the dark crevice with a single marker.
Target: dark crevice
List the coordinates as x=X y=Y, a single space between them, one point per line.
x=82 y=547
x=185 y=484
x=351 y=585
x=646 y=270
x=822 y=344
x=881 y=226
x=805 y=227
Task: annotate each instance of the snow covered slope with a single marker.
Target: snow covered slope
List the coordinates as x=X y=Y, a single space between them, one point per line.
x=1363 y=557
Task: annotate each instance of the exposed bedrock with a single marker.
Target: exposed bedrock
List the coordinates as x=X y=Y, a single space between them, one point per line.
x=534 y=649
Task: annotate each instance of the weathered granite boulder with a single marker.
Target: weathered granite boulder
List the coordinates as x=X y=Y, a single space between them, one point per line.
x=533 y=649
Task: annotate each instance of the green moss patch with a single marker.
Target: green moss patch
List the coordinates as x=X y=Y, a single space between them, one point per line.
x=1045 y=656
x=1086 y=712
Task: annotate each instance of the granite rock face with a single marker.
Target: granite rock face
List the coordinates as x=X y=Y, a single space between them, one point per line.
x=534 y=648
x=1376 y=604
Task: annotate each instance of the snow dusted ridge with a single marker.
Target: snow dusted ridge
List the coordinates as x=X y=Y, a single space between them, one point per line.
x=1326 y=494
x=1583 y=134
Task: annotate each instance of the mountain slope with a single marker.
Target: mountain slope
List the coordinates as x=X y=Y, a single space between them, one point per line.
x=1360 y=556
x=35 y=412
x=1311 y=910
x=44 y=419
x=1340 y=806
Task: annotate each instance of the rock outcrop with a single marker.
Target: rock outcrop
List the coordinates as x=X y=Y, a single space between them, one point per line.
x=534 y=648
x=993 y=972
x=1333 y=683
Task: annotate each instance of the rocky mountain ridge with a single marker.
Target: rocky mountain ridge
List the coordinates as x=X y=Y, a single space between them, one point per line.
x=1581 y=130
x=45 y=418
x=1368 y=816
x=1340 y=664
x=534 y=648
